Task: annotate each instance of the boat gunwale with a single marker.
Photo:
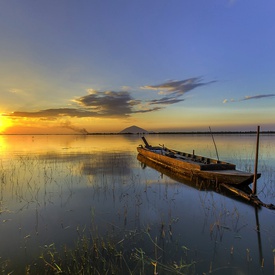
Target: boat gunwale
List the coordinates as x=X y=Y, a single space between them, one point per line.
x=187 y=160
x=227 y=176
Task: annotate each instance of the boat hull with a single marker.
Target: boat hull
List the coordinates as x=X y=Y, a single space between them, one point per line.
x=193 y=171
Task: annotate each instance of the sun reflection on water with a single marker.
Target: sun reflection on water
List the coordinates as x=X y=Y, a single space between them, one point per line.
x=53 y=186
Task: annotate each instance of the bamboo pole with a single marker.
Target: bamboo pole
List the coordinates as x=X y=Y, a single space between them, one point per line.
x=259 y=237
x=254 y=190
x=214 y=143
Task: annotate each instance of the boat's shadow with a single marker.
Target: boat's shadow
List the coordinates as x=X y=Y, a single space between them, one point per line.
x=199 y=184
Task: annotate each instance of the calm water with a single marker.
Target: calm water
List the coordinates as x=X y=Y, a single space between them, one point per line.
x=54 y=187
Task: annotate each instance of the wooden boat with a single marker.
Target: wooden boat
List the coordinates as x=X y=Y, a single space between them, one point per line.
x=240 y=193
x=196 y=167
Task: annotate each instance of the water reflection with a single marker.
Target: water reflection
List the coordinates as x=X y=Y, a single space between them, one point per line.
x=198 y=184
x=54 y=187
x=108 y=163
x=218 y=228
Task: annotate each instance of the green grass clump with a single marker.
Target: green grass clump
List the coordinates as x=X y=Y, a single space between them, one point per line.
x=101 y=256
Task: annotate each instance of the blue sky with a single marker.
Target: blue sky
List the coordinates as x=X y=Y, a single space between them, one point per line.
x=161 y=65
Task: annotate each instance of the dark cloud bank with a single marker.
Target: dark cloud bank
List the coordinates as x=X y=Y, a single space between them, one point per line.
x=113 y=104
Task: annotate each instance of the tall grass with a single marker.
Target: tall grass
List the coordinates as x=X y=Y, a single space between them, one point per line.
x=37 y=183
x=147 y=227
x=93 y=254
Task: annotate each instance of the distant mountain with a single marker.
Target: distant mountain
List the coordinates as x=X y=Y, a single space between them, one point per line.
x=133 y=130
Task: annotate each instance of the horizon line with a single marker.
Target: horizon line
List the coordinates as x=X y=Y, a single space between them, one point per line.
x=142 y=133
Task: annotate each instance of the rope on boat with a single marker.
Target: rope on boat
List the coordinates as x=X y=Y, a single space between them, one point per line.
x=249 y=197
x=269 y=206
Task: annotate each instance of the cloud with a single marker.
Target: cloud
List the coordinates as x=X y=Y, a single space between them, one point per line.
x=126 y=88
x=117 y=104
x=225 y=101
x=178 y=87
x=174 y=90
x=165 y=101
x=18 y=92
x=228 y=100
x=58 y=112
x=256 y=97
x=96 y=104
x=249 y=98
x=108 y=103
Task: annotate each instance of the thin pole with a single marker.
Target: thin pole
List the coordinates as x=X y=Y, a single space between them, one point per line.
x=259 y=236
x=214 y=143
x=254 y=191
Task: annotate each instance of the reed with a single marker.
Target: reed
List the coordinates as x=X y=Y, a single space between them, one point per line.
x=97 y=255
x=145 y=228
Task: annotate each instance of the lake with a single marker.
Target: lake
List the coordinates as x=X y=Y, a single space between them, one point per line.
x=87 y=201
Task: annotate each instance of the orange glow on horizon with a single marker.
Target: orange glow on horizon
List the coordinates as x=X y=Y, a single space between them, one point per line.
x=154 y=123
x=66 y=125
x=5 y=123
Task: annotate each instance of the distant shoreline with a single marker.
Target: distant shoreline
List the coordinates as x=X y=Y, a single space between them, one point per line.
x=151 y=133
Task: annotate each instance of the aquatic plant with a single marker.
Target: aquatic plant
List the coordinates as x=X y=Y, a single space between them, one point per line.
x=100 y=212
x=98 y=255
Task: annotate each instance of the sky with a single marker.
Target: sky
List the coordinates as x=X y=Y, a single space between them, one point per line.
x=93 y=66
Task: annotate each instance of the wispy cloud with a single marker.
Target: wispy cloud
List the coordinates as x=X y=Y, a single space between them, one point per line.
x=55 y=113
x=178 y=87
x=174 y=90
x=256 y=97
x=18 y=92
x=249 y=98
x=165 y=101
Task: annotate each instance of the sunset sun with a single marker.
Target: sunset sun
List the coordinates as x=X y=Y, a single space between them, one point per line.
x=5 y=123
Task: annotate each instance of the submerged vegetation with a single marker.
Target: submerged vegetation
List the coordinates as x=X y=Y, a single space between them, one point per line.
x=74 y=210
x=97 y=255
x=114 y=250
